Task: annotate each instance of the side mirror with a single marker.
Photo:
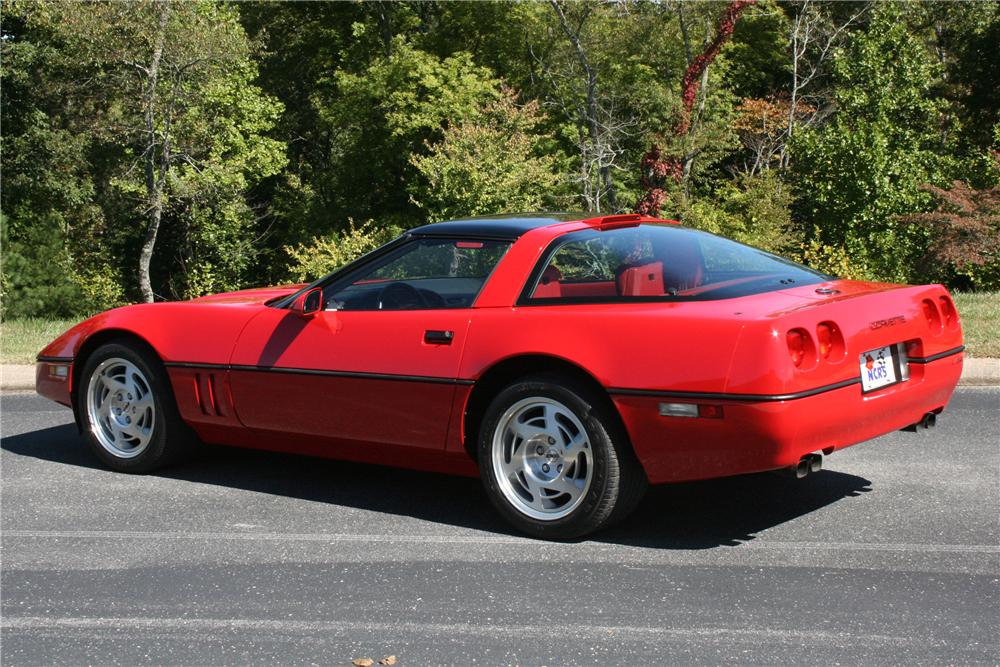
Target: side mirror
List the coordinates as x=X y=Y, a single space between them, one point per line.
x=308 y=304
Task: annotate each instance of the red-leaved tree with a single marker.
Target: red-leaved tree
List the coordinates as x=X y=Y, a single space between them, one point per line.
x=964 y=230
x=657 y=167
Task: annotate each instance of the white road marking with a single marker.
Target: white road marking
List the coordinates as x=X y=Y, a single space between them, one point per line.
x=547 y=630
x=755 y=544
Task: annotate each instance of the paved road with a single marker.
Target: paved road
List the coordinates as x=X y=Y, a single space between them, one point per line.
x=889 y=556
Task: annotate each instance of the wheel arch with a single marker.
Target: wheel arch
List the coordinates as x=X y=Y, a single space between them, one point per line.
x=508 y=370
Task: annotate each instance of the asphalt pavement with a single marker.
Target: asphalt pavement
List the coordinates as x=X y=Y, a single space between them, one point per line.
x=888 y=556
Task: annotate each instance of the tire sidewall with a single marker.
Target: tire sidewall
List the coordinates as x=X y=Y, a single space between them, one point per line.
x=162 y=402
x=586 y=516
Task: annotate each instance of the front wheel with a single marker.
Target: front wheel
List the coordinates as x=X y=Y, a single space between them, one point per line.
x=555 y=461
x=128 y=412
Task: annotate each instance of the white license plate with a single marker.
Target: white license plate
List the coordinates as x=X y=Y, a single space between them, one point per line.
x=883 y=367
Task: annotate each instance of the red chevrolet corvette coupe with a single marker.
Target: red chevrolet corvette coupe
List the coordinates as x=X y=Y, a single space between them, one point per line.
x=568 y=362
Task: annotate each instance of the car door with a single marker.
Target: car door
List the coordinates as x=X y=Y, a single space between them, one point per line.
x=380 y=363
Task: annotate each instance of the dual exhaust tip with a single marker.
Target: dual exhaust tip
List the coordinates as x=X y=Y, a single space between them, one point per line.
x=929 y=420
x=807 y=465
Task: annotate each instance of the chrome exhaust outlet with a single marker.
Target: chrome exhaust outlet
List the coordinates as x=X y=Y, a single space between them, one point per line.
x=929 y=420
x=807 y=465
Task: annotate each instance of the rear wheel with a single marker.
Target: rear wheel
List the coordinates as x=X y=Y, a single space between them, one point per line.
x=129 y=417
x=555 y=462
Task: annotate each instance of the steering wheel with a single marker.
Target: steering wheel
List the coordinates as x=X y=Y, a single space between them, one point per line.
x=400 y=296
x=432 y=299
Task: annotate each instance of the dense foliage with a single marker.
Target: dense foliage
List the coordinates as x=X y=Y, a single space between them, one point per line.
x=229 y=145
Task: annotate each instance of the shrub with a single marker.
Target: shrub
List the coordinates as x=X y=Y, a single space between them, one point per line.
x=834 y=260
x=754 y=210
x=326 y=253
x=36 y=271
x=490 y=164
x=964 y=230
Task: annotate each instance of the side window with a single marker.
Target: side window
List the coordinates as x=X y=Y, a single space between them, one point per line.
x=424 y=274
x=598 y=265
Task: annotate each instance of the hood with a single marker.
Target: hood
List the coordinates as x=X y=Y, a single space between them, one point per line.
x=251 y=296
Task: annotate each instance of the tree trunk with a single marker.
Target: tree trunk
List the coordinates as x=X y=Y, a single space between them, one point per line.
x=153 y=162
x=385 y=27
x=794 y=98
x=591 y=110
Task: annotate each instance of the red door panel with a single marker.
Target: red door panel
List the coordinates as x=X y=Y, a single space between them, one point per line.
x=351 y=376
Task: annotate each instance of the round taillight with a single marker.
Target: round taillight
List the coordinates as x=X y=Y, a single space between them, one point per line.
x=948 y=311
x=825 y=338
x=932 y=315
x=796 y=346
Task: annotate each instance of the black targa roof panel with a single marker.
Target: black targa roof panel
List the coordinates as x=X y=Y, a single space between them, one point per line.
x=510 y=226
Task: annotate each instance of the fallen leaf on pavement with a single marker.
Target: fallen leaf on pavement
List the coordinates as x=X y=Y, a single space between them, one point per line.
x=362 y=662
x=388 y=660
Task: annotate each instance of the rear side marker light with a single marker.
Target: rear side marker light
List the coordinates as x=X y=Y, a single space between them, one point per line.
x=710 y=411
x=678 y=409
x=690 y=410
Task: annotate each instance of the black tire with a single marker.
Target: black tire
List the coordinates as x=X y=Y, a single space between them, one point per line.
x=168 y=441
x=617 y=481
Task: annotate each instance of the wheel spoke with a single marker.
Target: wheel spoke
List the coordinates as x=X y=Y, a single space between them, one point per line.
x=551 y=425
x=526 y=431
x=131 y=386
x=114 y=384
x=127 y=431
x=117 y=433
x=564 y=485
x=535 y=489
x=104 y=411
x=143 y=403
x=510 y=468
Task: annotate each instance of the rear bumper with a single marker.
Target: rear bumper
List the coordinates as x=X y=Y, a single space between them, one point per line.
x=758 y=436
x=53 y=380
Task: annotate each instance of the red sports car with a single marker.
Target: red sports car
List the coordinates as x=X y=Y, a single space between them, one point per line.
x=568 y=362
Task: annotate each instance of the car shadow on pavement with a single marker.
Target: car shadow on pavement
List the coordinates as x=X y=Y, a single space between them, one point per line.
x=691 y=515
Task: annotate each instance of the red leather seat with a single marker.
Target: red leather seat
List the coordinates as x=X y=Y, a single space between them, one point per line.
x=641 y=280
x=684 y=266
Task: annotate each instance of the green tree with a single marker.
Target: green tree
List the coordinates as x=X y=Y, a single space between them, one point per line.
x=865 y=167
x=47 y=179
x=162 y=94
x=386 y=112
x=489 y=164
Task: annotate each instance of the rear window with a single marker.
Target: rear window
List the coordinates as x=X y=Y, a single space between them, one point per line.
x=657 y=262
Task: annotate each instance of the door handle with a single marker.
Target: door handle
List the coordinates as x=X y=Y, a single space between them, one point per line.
x=437 y=337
